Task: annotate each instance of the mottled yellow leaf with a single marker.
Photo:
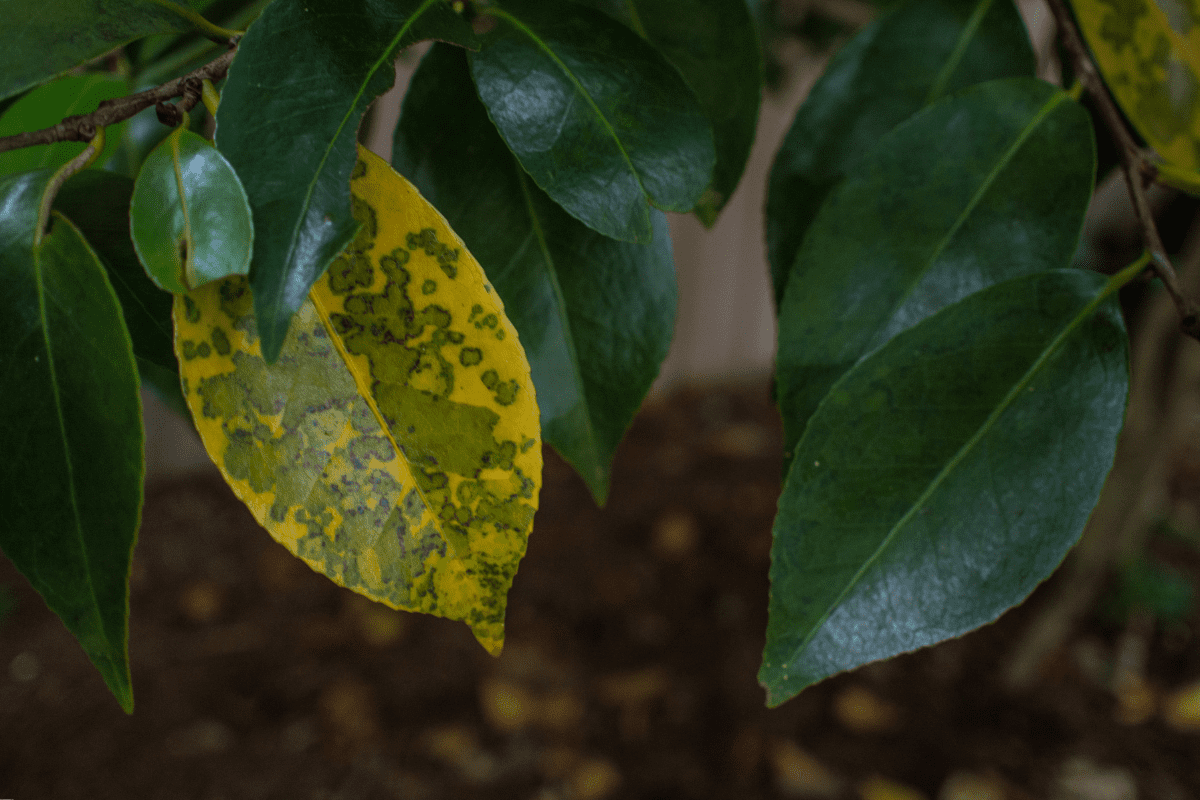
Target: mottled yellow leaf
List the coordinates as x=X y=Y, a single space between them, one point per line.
x=395 y=445
x=1149 y=54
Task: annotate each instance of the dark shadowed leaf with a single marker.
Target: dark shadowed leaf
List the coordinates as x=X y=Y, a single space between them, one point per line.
x=595 y=315
x=70 y=428
x=189 y=216
x=599 y=119
x=913 y=54
x=945 y=476
x=48 y=105
x=980 y=187
x=97 y=202
x=43 y=38
x=305 y=73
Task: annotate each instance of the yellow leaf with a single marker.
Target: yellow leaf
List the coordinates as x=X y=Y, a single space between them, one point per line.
x=395 y=445
x=1149 y=54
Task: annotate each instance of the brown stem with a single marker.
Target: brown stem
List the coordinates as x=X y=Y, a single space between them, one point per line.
x=1133 y=164
x=82 y=127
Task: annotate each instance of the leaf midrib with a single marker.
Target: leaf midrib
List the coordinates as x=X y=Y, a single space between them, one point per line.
x=297 y=228
x=72 y=495
x=1021 y=384
x=579 y=88
x=551 y=270
x=959 y=52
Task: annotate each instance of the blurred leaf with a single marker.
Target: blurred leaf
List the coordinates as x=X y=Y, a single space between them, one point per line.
x=288 y=122
x=1147 y=583
x=394 y=444
x=595 y=315
x=596 y=116
x=189 y=216
x=913 y=54
x=70 y=429
x=97 y=202
x=48 y=105
x=945 y=476
x=43 y=38
x=980 y=187
x=1149 y=54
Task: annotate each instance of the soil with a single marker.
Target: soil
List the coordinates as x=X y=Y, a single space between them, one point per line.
x=634 y=637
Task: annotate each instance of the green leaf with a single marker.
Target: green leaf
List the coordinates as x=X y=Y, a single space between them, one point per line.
x=304 y=74
x=945 y=476
x=598 y=118
x=913 y=54
x=97 y=202
x=980 y=187
x=394 y=444
x=70 y=429
x=714 y=46
x=595 y=315
x=43 y=38
x=189 y=216
x=1149 y=54
x=48 y=105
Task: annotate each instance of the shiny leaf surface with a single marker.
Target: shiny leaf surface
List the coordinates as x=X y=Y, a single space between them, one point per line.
x=305 y=73
x=394 y=444
x=1149 y=54
x=945 y=476
x=70 y=428
x=48 y=105
x=596 y=116
x=46 y=37
x=189 y=217
x=913 y=54
x=595 y=315
x=914 y=228
x=714 y=46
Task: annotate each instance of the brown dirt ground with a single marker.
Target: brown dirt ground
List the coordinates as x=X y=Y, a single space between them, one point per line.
x=634 y=636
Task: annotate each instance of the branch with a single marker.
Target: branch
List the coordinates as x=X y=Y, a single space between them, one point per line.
x=1133 y=163
x=82 y=127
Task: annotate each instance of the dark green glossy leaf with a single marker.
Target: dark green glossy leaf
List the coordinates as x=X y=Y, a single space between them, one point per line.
x=70 y=429
x=599 y=119
x=43 y=38
x=595 y=315
x=945 y=476
x=189 y=216
x=714 y=46
x=97 y=202
x=48 y=105
x=980 y=187
x=304 y=74
x=913 y=54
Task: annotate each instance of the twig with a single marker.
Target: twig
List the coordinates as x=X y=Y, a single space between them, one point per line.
x=1133 y=163
x=82 y=127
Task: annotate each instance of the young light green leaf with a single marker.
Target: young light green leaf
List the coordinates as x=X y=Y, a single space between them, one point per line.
x=394 y=444
x=945 y=476
x=915 y=53
x=189 y=217
x=980 y=187
x=48 y=105
x=304 y=74
x=595 y=315
x=596 y=116
x=1149 y=54
x=70 y=428
x=43 y=38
